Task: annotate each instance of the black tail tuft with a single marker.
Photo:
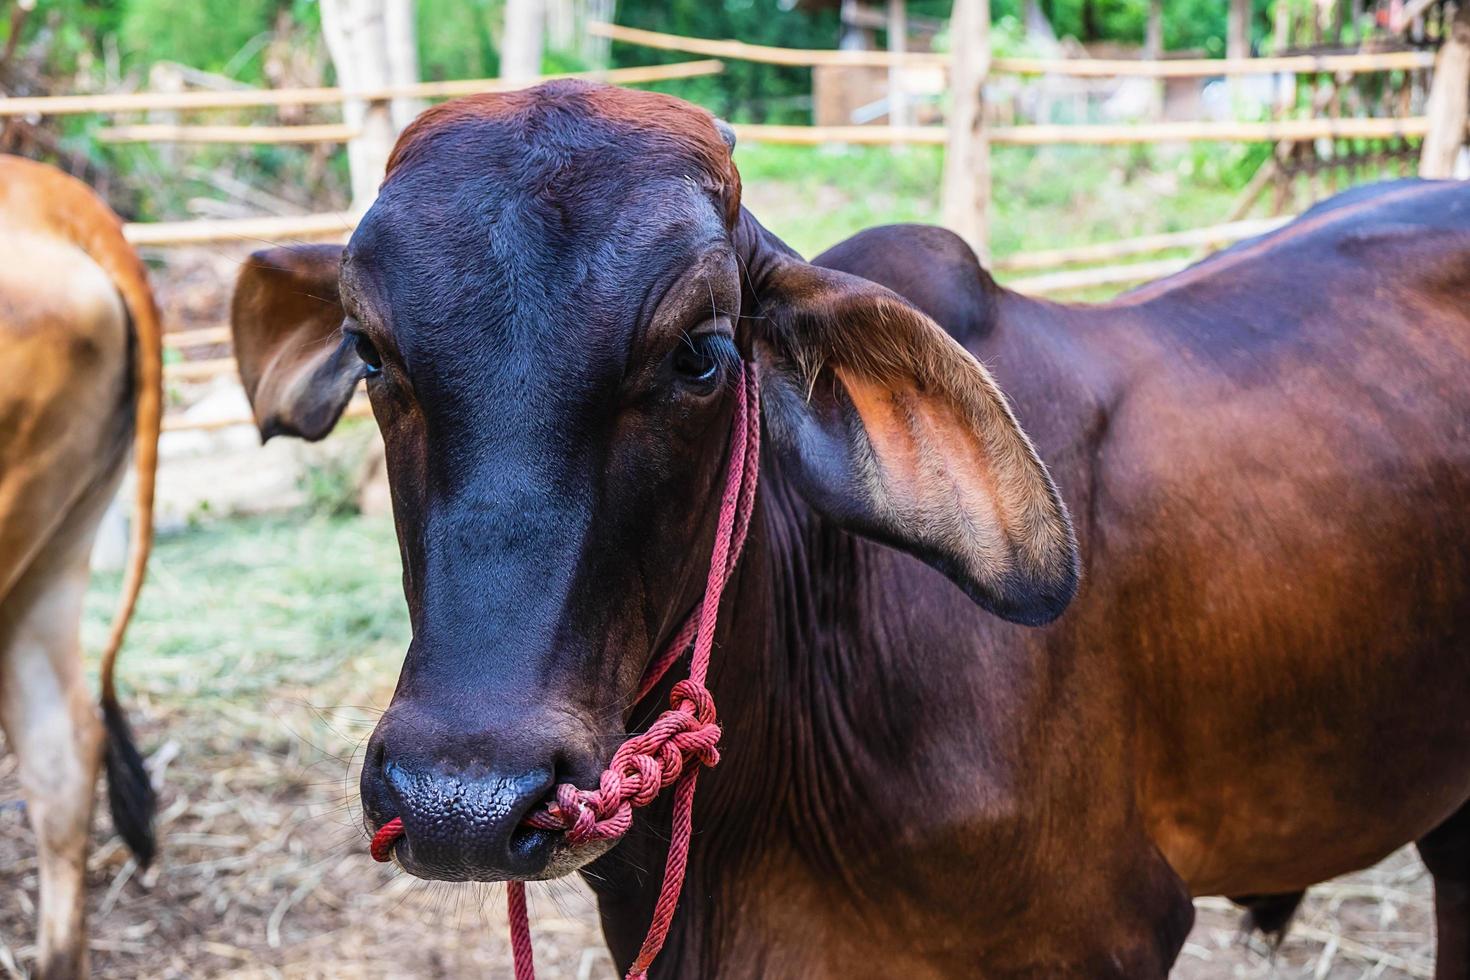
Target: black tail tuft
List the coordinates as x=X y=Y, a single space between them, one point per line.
x=130 y=794
x=1270 y=915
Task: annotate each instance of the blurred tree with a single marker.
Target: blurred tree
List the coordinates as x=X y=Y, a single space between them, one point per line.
x=745 y=91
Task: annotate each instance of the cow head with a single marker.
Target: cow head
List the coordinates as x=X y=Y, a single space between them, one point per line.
x=549 y=300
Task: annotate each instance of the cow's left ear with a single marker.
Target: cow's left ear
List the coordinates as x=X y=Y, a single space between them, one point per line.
x=298 y=368
x=893 y=430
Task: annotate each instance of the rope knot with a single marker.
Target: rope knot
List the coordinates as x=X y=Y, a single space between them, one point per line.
x=693 y=697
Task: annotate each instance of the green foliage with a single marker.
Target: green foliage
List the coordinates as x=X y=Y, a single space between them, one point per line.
x=68 y=29
x=745 y=91
x=456 y=38
x=224 y=36
x=331 y=487
x=236 y=608
x=1188 y=24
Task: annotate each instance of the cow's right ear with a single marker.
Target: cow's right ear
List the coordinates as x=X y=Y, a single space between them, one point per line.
x=298 y=368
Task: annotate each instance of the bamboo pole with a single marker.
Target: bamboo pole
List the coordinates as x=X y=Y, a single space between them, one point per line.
x=202 y=337
x=1287 y=130
x=1237 y=42
x=1449 y=100
x=1232 y=132
x=169 y=133
x=1105 y=133
x=61 y=105
x=1110 y=275
x=765 y=53
x=202 y=370
x=262 y=230
x=358 y=408
x=1194 y=238
x=898 y=45
x=1081 y=67
x=965 y=197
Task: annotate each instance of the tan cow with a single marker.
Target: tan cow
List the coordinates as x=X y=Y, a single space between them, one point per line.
x=82 y=377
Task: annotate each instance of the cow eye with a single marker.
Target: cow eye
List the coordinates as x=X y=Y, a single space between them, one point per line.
x=367 y=352
x=697 y=359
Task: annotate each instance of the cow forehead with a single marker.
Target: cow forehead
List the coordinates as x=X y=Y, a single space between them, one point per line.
x=573 y=130
x=525 y=269
x=543 y=196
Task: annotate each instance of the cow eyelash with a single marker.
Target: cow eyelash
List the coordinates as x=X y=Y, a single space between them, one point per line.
x=699 y=359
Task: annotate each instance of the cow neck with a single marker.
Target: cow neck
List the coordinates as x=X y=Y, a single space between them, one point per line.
x=684 y=737
x=812 y=627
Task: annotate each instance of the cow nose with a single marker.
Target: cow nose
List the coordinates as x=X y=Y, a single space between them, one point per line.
x=460 y=824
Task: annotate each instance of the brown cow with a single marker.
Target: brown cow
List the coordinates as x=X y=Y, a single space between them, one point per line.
x=1261 y=682
x=82 y=381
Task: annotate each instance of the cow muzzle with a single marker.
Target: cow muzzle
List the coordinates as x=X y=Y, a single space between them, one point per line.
x=467 y=821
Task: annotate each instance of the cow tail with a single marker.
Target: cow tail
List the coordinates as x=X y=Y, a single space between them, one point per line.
x=130 y=792
x=1269 y=915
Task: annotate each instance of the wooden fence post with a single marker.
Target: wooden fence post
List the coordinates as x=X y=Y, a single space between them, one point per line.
x=1153 y=50
x=898 y=36
x=966 y=194
x=1237 y=45
x=1449 y=100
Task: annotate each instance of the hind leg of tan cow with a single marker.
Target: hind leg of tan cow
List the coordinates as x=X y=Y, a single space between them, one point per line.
x=50 y=720
x=1446 y=852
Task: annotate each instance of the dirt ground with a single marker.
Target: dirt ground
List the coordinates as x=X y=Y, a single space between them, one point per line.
x=263 y=873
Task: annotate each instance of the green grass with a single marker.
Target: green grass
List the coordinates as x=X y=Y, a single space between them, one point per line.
x=240 y=609
x=1042 y=197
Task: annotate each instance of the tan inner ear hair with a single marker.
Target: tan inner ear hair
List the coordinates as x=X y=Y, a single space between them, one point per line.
x=934 y=477
x=971 y=442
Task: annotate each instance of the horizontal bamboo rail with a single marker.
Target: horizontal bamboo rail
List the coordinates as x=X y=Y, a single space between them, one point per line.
x=1107 y=251
x=61 y=105
x=1102 y=134
x=1337 y=64
x=1108 y=275
x=179 y=339
x=1029 y=135
x=202 y=370
x=807 y=135
x=1295 y=130
x=1081 y=67
x=166 y=133
x=356 y=409
x=264 y=231
x=763 y=53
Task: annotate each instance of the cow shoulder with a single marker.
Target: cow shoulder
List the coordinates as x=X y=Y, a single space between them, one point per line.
x=931 y=267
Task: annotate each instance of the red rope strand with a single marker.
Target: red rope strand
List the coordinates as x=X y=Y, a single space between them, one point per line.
x=664 y=755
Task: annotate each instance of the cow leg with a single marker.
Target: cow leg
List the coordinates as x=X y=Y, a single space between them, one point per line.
x=1446 y=852
x=50 y=720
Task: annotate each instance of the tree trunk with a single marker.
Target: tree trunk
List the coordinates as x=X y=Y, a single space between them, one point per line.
x=1449 y=100
x=521 y=47
x=403 y=59
x=966 y=200
x=357 y=33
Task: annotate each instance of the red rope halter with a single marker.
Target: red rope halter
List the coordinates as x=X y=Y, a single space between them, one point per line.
x=660 y=757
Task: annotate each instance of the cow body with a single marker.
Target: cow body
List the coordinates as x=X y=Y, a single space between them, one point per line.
x=67 y=411
x=1258 y=684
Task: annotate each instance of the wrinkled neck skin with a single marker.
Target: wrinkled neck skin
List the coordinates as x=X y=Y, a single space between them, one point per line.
x=868 y=814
